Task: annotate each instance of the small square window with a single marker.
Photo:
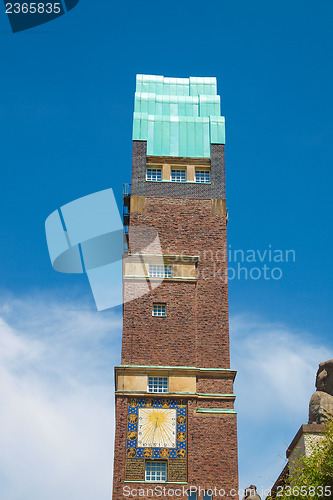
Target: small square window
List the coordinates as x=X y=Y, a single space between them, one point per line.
x=154 y=174
x=178 y=175
x=192 y=496
x=202 y=176
x=207 y=496
x=159 y=310
x=160 y=271
x=156 y=472
x=158 y=384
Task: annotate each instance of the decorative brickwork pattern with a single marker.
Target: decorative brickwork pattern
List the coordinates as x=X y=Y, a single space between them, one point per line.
x=173 y=189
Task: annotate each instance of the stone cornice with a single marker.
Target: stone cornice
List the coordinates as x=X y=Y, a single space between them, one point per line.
x=177 y=370
x=229 y=397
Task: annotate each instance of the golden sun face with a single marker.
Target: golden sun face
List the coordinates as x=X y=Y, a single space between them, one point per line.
x=157 y=428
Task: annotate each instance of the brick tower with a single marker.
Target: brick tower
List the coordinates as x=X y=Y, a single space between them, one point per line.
x=175 y=423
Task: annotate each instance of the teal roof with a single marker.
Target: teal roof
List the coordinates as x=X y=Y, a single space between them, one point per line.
x=162 y=85
x=178 y=116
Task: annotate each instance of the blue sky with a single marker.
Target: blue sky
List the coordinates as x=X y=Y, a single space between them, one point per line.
x=65 y=122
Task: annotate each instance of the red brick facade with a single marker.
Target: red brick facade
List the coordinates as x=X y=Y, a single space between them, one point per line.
x=212 y=444
x=195 y=332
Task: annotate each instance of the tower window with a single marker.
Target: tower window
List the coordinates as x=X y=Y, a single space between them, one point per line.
x=154 y=174
x=156 y=472
x=159 y=310
x=202 y=176
x=158 y=384
x=192 y=496
x=207 y=496
x=160 y=271
x=178 y=175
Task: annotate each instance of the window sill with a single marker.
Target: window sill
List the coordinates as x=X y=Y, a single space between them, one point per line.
x=180 y=182
x=159 y=482
x=175 y=278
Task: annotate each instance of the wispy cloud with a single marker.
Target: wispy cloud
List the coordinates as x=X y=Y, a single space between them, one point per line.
x=56 y=399
x=276 y=373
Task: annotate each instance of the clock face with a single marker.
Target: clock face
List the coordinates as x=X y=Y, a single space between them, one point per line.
x=157 y=428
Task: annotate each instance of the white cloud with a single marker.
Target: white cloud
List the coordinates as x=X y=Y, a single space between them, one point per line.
x=276 y=374
x=56 y=399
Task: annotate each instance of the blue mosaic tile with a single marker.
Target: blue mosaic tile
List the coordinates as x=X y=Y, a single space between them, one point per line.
x=157 y=403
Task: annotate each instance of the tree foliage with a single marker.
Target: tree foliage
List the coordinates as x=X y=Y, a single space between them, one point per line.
x=311 y=477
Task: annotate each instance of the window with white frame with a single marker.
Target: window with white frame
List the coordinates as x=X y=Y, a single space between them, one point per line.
x=156 y=472
x=160 y=271
x=158 y=384
x=202 y=176
x=153 y=174
x=178 y=175
x=159 y=310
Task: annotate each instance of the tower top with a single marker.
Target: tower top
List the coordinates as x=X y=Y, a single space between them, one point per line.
x=178 y=116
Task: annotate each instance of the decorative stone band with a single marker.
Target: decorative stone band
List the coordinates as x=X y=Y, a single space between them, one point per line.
x=188 y=370
x=182 y=381
x=229 y=397
x=183 y=267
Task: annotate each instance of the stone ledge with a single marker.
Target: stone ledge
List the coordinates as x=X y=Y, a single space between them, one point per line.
x=188 y=370
x=195 y=395
x=305 y=429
